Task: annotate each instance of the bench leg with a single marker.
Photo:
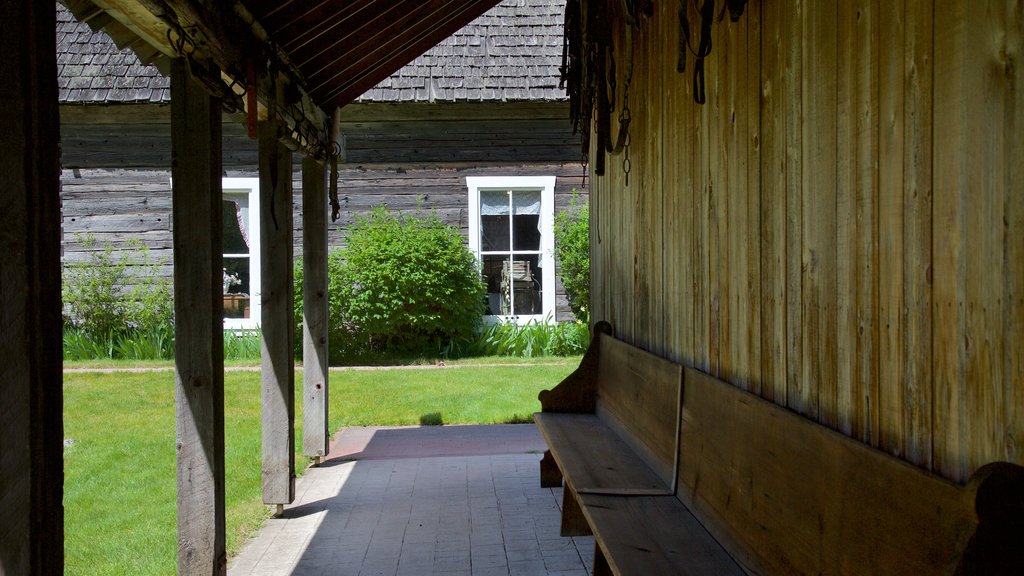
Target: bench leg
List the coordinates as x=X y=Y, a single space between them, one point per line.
x=550 y=475
x=601 y=567
x=574 y=523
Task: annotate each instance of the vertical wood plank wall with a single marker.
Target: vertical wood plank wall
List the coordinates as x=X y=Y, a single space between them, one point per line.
x=840 y=228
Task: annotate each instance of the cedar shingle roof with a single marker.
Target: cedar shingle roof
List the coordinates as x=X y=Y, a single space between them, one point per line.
x=512 y=53
x=90 y=68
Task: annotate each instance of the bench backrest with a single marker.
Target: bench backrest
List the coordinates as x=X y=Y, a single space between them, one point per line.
x=789 y=496
x=638 y=395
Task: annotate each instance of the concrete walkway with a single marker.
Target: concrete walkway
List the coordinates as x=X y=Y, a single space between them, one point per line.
x=421 y=501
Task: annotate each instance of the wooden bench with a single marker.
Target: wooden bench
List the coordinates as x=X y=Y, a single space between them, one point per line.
x=753 y=487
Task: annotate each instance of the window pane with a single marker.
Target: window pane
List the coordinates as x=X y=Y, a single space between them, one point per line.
x=526 y=220
x=492 y=267
x=525 y=281
x=526 y=233
x=235 y=225
x=494 y=221
x=493 y=233
x=513 y=286
x=237 y=295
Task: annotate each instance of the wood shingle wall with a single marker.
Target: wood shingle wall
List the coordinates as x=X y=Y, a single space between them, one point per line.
x=840 y=228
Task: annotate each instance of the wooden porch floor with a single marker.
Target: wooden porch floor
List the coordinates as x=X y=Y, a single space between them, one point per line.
x=420 y=501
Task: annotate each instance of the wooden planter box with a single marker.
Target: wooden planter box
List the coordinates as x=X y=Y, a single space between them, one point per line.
x=236 y=306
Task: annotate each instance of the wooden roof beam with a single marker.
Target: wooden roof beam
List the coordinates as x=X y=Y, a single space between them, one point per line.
x=141 y=19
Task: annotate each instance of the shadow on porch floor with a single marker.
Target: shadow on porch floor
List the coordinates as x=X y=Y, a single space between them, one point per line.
x=420 y=501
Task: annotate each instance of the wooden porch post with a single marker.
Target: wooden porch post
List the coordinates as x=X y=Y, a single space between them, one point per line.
x=315 y=435
x=198 y=325
x=277 y=323
x=31 y=424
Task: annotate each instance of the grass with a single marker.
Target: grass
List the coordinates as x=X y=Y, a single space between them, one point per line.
x=445 y=395
x=119 y=493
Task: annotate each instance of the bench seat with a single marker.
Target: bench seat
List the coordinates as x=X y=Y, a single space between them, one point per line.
x=604 y=464
x=646 y=535
x=675 y=471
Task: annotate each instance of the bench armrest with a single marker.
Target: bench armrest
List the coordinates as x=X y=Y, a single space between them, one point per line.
x=577 y=393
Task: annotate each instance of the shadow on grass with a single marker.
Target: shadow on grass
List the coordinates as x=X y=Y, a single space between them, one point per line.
x=432 y=419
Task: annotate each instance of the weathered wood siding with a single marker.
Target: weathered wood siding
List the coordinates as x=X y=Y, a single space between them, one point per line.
x=116 y=159
x=840 y=228
x=482 y=133
x=120 y=208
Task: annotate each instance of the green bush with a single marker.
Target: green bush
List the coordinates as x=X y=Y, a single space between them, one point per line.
x=572 y=254
x=117 y=306
x=343 y=346
x=410 y=282
x=404 y=284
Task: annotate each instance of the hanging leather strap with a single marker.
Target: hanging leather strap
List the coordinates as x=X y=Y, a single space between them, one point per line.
x=707 y=17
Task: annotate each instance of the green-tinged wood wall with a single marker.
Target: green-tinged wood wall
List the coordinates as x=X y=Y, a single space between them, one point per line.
x=840 y=228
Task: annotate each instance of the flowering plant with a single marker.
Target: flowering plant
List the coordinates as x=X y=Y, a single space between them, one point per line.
x=230 y=280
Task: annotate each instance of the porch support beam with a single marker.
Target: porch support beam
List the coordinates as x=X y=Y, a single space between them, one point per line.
x=31 y=424
x=315 y=435
x=277 y=322
x=198 y=326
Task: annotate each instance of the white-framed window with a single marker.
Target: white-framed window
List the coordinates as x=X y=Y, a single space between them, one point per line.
x=511 y=222
x=241 y=214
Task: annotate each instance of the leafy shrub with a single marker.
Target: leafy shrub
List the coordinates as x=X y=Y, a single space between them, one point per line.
x=572 y=254
x=119 y=307
x=410 y=282
x=403 y=284
x=343 y=347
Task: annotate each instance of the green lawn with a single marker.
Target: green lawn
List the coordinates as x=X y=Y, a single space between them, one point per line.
x=119 y=491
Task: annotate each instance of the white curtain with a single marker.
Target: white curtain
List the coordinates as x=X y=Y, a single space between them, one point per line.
x=242 y=215
x=526 y=203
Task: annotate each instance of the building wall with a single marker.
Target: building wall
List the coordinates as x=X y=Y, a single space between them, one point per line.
x=116 y=177
x=840 y=228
